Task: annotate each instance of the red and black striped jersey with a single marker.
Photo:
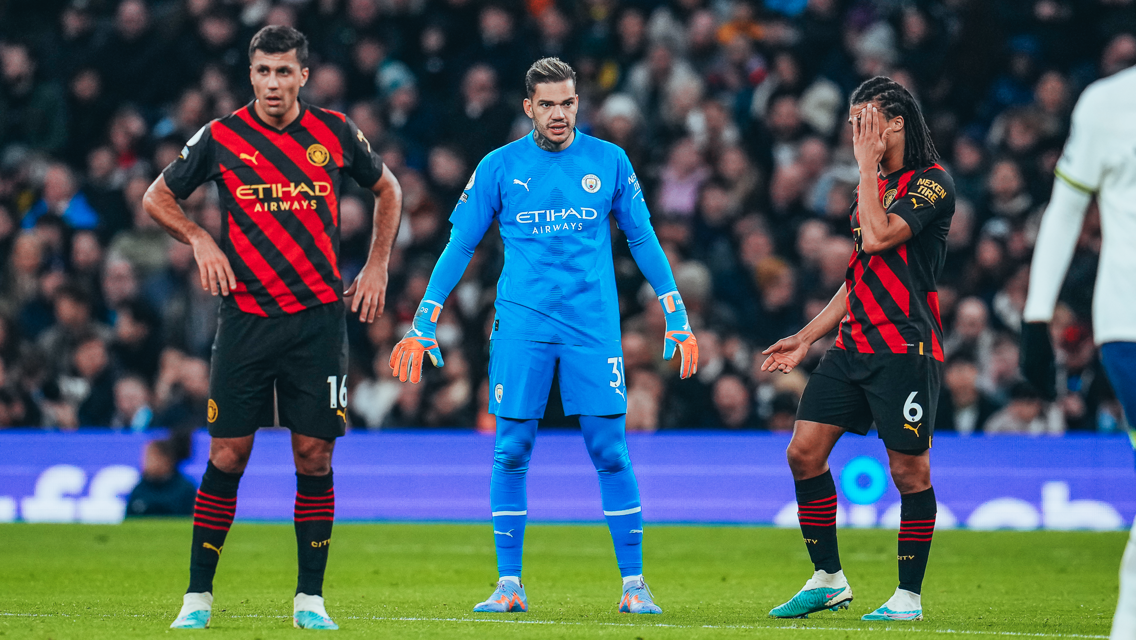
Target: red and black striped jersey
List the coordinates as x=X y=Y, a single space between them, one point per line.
x=280 y=201
x=893 y=302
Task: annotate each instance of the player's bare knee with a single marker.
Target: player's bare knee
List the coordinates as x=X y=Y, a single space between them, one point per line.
x=803 y=461
x=314 y=467
x=312 y=456
x=313 y=462
x=230 y=455
x=229 y=460
x=911 y=474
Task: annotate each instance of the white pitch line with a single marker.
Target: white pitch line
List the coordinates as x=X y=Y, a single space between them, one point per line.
x=794 y=627
x=733 y=626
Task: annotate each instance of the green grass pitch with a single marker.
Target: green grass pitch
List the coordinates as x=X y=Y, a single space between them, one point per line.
x=422 y=580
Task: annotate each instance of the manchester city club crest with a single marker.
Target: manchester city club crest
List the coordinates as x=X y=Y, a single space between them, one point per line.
x=591 y=183
x=888 y=197
x=318 y=155
x=498 y=391
x=469 y=185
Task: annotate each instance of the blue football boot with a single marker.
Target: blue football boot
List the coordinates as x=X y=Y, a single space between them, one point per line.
x=196 y=611
x=308 y=612
x=637 y=598
x=822 y=591
x=903 y=605
x=509 y=597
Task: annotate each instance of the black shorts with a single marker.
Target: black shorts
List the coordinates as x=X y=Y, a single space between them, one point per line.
x=300 y=360
x=899 y=392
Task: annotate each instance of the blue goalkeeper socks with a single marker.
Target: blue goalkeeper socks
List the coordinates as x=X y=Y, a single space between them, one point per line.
x=507 y=494
x=607 y=445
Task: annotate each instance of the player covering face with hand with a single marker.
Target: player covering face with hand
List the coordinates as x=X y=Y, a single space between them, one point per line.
x=551 y=194
x=886 y=364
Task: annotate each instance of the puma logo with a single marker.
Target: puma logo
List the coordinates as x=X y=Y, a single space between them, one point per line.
x=252 y=158
x=342 y=414
x=209 y=546
x=914 y=204
x=524 y=184
x=504 y=533
x=620 y=392
x=915 y=428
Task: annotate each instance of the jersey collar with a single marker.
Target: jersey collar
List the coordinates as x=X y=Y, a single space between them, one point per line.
x=888 y=177
x=531 y=136
x=291 y=126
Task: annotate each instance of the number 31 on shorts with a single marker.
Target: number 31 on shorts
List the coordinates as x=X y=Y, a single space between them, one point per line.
x=617 y=371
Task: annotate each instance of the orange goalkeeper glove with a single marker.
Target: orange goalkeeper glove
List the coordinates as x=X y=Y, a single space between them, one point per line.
x=420 y=341
x=679 y=335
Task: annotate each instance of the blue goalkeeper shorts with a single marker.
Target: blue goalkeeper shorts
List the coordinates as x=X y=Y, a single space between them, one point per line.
x=520 y=376
x=1119 y=359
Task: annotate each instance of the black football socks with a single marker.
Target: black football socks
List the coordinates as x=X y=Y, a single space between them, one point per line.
x=916 y=526
x=315 y=512
x=212 y=516
x=816 y=511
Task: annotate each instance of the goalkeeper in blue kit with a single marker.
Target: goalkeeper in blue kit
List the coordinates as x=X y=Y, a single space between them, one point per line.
x=551 y=194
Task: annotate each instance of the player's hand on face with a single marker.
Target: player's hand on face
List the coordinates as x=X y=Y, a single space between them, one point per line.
x=785 y=354
x=868 y=141
x=369 y=293
x=216 y=273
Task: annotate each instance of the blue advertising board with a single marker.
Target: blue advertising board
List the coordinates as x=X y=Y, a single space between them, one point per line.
x=982 y=482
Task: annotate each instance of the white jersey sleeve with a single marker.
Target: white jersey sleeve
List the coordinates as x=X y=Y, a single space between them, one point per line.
x=1082 y=161
x=1099 y=159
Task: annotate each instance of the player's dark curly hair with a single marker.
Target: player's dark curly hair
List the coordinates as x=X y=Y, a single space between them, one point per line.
x=548 y=70
x=277 y=38
x=894 y=100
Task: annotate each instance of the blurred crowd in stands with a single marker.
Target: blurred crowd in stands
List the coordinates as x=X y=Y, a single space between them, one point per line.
x=733 y=114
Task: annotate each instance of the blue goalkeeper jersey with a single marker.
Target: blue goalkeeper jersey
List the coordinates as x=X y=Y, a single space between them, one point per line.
x=558 y=282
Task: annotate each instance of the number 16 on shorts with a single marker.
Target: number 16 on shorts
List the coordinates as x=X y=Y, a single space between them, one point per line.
x=338 y=399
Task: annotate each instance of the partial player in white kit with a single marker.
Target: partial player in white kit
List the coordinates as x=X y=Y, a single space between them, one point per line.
x=1099 y=160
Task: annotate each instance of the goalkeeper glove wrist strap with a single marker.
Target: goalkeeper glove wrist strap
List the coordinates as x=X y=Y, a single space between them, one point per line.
x=426 y=318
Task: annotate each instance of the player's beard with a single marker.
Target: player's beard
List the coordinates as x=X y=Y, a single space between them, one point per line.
x=544 y=142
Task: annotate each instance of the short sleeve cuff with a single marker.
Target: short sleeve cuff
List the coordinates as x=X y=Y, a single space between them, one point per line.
x=1079 y=185
x=179 y=189
x=913 y=221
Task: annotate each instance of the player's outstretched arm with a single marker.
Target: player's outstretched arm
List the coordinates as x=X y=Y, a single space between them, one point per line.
x=472 y=216
x=216 y=273
x=406 y=359
x=787 y=353
x=369 y=290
